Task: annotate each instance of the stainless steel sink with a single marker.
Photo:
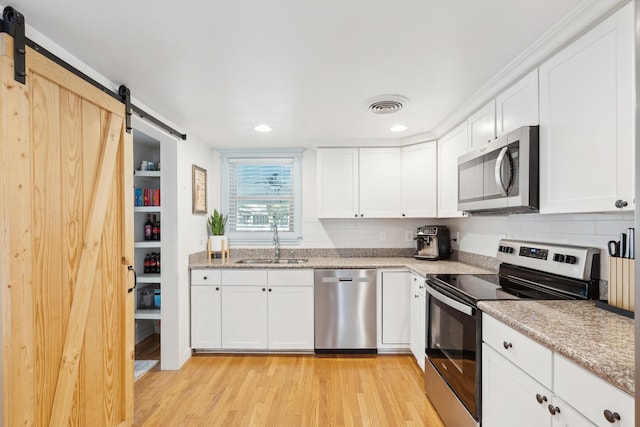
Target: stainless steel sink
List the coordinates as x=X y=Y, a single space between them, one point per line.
x=272 y=261
x=255 y=261
x=290 y=261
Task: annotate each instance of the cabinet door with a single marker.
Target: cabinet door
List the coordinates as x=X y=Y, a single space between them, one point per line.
x=337 y=183
x=450 y=147
x=395 y=308
x=509 y=396
x=417 y=327
x=591 y=395
x=206 y=328
x=482 y=126
x=419 y=180
x=290 y=313
x=518 y=105
x=380 y=182
x=586 y=121
x=244 y=317
x=566 y=416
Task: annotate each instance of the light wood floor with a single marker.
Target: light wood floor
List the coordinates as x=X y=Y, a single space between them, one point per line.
x=286 y=390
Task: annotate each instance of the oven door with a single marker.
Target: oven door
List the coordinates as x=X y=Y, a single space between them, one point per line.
x=452 y=344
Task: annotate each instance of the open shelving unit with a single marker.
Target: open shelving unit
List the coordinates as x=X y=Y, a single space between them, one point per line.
x=148 y=306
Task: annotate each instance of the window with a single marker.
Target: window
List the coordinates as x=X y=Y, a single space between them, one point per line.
x=261 y=189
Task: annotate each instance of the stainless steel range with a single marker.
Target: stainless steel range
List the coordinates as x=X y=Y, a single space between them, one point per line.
x=528 y=270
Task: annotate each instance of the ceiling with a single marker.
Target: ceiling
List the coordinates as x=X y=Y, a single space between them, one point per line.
x=218 y=68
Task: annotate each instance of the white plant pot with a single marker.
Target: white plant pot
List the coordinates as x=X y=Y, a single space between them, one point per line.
x=218 y=243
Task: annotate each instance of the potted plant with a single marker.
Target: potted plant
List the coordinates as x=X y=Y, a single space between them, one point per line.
x=216 y=223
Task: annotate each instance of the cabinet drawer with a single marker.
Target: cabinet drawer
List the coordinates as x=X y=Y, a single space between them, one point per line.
x=205 y=277
x=290 y=277
x=244 y=277
x=530 y=356
x=591 y=395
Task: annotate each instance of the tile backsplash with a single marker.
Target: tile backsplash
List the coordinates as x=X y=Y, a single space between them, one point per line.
x=480 y=235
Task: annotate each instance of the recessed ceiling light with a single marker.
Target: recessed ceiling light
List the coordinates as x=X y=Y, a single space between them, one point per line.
x=262 y=128
x=398 y=128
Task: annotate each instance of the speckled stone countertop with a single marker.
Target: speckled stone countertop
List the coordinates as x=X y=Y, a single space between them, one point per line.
x=422 y=268
x=599 y=341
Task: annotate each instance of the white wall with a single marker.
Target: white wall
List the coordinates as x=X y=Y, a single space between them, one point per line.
x=480 y=235
x=192 y=229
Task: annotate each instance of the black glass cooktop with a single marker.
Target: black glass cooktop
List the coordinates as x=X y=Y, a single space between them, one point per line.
x=488 y=287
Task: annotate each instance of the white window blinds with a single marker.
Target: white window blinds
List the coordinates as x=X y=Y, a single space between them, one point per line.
x=259 y=190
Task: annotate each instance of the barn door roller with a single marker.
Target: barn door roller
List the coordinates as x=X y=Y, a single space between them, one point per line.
x=13 y=24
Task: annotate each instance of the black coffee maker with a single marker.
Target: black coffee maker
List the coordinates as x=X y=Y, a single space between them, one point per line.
x=433 y=242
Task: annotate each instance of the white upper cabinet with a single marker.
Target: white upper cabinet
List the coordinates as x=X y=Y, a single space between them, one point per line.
x=482 y=126
x=450 y=147
x=337 y=183
x=419 y=180
x=377 y=182
x=380 y=182
x=518 y=105
x=587 y=122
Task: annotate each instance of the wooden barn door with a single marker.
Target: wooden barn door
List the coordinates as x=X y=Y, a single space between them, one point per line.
x=66 y=240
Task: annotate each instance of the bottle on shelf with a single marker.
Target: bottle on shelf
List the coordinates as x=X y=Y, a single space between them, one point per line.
x=148 y=228
x=155 y=231
x=158 y=263
x=152 y=263
x=147 y=263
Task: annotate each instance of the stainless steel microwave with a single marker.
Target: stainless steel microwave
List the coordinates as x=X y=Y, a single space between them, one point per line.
x=502 y=176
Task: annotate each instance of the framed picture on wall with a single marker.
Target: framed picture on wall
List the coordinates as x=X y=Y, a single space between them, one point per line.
x=199 y=189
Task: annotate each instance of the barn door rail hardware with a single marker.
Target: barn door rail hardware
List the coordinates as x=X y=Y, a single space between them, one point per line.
x=13 y=23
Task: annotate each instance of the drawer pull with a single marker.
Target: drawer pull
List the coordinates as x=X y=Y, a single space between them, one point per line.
x=217 y=288
x=507 y=345
x=204 y=278
x=612 y=417
x=553 y=410
x=540 y=398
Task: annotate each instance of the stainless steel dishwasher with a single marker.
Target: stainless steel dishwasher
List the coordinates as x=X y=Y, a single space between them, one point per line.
x=345 y=311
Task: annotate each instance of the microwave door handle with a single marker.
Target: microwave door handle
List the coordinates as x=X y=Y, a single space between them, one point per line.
x=501 y=157
x=450 y=301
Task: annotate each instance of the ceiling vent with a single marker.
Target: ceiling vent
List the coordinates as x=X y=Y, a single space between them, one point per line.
x=386 y=104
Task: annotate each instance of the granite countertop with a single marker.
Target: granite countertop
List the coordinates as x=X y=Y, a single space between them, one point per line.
x=600 y=341
x=419 y=267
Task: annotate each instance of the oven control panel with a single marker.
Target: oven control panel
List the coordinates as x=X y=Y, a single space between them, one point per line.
x=534 y=252
x=565 y=260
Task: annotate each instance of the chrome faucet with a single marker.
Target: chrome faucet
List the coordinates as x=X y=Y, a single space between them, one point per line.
x=276 y=240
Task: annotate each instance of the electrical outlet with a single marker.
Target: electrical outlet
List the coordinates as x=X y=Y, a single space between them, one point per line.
x=408 y=236
x=382 y=236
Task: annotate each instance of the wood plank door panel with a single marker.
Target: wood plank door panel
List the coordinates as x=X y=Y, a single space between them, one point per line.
x=66 y=223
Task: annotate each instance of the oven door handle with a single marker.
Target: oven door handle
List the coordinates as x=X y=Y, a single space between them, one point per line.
x=450 y=301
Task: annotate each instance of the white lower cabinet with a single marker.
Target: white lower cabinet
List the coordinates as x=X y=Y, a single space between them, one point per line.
x=510 y=396
x=514 y=368
x=252 y=309
x=566 y=416
x=417 y=308
x=244 y=317
x=290 y=318
x=393 y=310
x=206 y=327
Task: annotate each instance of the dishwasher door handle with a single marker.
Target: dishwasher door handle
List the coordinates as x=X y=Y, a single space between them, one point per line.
x=346 y=279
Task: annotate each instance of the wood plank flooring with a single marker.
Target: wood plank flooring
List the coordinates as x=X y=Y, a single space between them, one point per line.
x=286 y=390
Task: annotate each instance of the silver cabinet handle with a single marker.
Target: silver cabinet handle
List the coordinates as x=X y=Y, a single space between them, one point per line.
x=498 y=172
